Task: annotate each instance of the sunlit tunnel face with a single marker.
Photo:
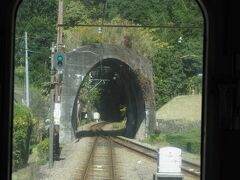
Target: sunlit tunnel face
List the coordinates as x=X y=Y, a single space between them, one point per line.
x=109 y=74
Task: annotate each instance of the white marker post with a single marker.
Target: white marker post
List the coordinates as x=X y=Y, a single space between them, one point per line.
x=169 y=164
x=96 y=116
x=57 y=113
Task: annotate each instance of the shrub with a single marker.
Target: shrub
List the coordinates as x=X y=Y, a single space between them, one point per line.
x=23 y=123
x=42 y=149
x=85 y=121
x=156 y=138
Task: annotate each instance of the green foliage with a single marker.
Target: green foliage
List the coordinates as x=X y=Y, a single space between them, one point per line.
x=177 y=68
x=85 y=121
x=176 y=63
x=151 y=12
x=176 y=54
x=75 y=13
x=89 y=96
x=156 y=138
x=119 y=125
x=42 y=149
x=123 y=110
x=39 y=105
x=169 y=78
x=23 y=124
x=189 y=141
x=19 y=74
x=38 y=19
x=142 y=39
x=33 y=8
x=95 y=7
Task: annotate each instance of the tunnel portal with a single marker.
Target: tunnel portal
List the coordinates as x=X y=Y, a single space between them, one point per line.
x=128 y=82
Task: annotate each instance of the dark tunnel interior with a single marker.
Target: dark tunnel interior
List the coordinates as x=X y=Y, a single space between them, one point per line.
x=120 y=96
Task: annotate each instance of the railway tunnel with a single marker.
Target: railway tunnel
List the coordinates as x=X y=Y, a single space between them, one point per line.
x=119 y=88
x=127 y=82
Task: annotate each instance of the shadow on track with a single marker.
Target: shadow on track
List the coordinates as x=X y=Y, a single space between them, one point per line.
x=81 y=134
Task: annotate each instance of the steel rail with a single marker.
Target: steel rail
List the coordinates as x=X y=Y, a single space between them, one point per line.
x=85 y=171
x=154 y=155
x=96 y=128
x=112 y=158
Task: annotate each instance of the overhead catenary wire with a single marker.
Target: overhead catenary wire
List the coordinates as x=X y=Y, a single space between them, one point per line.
x=140 y=26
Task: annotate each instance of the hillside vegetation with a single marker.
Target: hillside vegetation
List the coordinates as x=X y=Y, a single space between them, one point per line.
x=180 y=114
x=174 y=49
x=185 y=107
x=179 y=124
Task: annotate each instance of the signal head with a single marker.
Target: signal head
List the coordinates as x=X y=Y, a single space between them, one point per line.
x=59 y=59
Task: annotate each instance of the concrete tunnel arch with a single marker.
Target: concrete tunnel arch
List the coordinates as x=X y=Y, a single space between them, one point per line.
x=123 y=90
x=138 y=87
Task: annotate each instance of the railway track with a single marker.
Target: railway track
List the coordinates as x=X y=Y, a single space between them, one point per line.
x=187 y=166
x=100 y=163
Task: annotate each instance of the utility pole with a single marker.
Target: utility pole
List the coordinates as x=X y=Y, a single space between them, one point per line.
x=26 y=70
x=60 y=26
x=59 y=46
x=51 y=125
x=57 y=98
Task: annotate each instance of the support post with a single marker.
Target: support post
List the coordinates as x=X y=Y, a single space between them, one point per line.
x=51 y=144
x=56 y=148
x=26 y=70
x=51 y=110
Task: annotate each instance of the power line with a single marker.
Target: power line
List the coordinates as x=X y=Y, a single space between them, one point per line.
x=139 y=26
x=35 y=37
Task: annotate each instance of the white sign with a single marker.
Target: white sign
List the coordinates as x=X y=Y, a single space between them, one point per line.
x=96 y=116
x=57 y=113
x=169 y=160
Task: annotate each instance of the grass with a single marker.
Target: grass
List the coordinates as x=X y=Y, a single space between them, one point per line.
x=29 y=172
x=188 y=141
x=180 y=126
x=119 y=125
x=179 y=123
x=186 y=107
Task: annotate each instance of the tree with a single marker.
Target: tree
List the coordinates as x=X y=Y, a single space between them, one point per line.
x=75 y=13
x=38 y=19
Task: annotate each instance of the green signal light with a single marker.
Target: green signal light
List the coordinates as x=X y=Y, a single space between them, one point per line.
x=59 y=58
